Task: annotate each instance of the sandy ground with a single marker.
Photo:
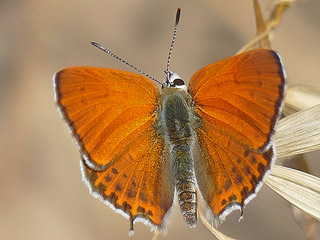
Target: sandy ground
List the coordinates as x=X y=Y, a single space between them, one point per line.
x=42 y=195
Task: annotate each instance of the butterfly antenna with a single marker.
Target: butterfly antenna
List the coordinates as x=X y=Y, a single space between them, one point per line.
x=97 y=45
x=173 y=40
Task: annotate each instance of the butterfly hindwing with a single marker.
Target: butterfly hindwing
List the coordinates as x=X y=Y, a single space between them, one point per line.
x=228 y=174
x=138 y=183
x=237 y=102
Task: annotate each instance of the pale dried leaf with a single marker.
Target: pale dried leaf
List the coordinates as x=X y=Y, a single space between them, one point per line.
x=272 y=23
x=299 y=97
x=298 y=133
x=155 y=235
x=261 y=27
x=275 y=3
x=277 y=11
x=299 y=188
x=219 y=235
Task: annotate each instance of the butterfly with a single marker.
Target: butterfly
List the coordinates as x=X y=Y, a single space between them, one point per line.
x=141 y=148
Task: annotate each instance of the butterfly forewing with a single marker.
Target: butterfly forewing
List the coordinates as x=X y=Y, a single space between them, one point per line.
x=241 y=96
x=113 y=116
x=105 y=109
x=237 y=102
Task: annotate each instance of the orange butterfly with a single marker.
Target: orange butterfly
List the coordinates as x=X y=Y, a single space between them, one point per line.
x=141 y=147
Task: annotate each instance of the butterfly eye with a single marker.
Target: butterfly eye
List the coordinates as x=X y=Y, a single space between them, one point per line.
x=178 y=82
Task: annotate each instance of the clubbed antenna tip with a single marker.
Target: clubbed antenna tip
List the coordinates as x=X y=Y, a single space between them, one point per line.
x=178 y=16
x=173 y=39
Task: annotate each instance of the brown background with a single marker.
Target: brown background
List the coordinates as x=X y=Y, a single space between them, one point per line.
x=42 y=195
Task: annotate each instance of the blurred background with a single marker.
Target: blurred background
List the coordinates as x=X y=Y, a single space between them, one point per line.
x=42 y=195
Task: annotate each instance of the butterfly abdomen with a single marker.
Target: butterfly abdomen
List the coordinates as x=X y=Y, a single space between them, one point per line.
x=177 y=129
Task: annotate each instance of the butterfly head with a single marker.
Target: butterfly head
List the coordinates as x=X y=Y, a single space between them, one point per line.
x=173 y=81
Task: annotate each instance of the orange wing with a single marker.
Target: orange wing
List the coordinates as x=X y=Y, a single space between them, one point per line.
x=139 y=182
x=237 y=102
x=112 y=115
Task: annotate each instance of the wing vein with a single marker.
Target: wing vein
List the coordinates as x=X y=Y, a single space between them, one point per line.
x=102 y=140
x=84 y=95
x=85 y=83
x=234 y=152
x=240 y=119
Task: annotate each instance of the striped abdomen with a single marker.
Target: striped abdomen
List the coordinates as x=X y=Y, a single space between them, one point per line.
x=177 y=129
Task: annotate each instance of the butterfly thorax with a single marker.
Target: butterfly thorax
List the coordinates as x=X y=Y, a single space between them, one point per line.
x=175 y=118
